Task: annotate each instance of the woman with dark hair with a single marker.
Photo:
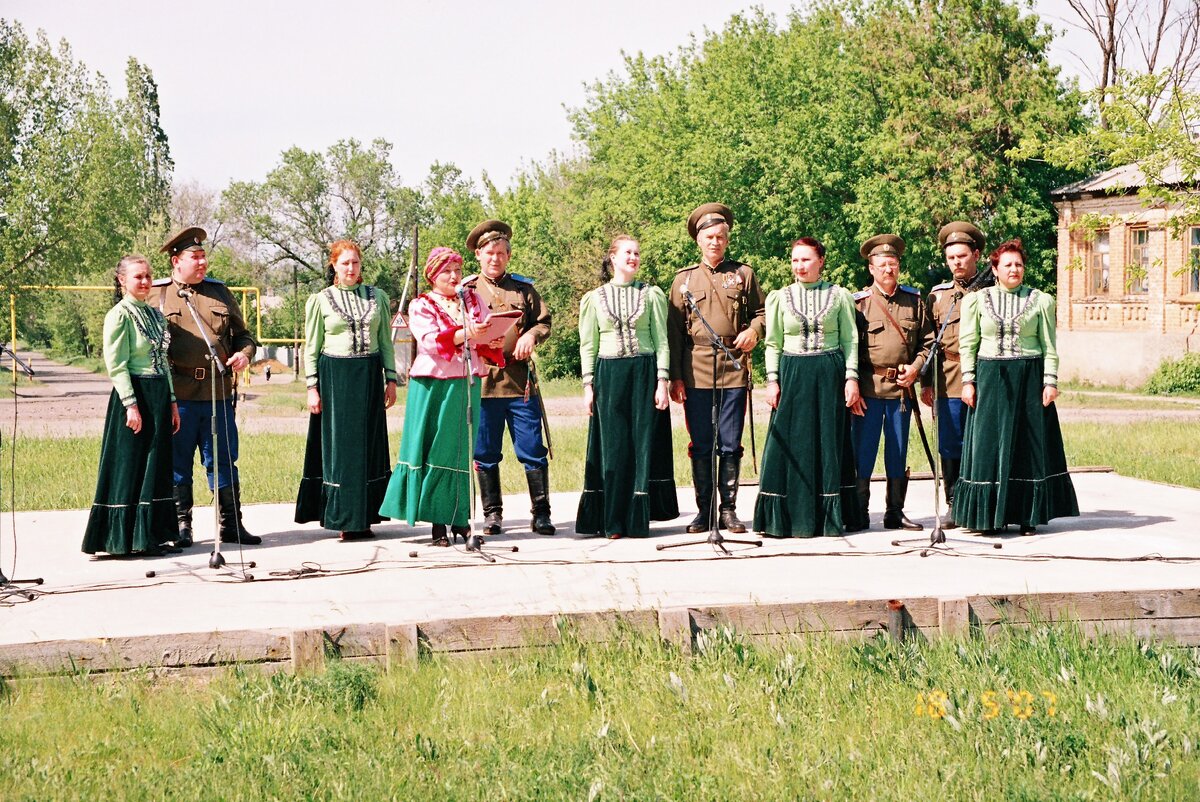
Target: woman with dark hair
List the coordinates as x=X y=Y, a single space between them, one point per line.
x=432 y=478
x=807 y=484
x=134 y=509
x=1014 y=469
x=351 y=378
x=628 y=478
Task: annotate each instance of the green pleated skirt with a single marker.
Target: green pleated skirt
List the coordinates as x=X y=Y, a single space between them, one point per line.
x=346 y=461
x=1014 y=468
x=432 y=478
x=629 y=474
x=807 y=481
x=134 y=507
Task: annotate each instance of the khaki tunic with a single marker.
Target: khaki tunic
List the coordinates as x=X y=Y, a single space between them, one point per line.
x=881 y=348
x=187 y=352
x=950 y=373
x=732 y=301
x=504 y=295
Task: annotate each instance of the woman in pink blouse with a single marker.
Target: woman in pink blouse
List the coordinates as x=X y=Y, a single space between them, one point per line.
x=431 y=481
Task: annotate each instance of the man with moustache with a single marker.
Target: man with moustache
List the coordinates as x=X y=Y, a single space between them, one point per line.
x=729 y=297
x=962 y=244
x=508 y=393
x=894 y=341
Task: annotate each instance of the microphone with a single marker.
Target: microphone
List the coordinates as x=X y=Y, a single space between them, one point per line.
x=185 y=292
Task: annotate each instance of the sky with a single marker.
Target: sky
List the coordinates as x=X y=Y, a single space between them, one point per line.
x=484 y=85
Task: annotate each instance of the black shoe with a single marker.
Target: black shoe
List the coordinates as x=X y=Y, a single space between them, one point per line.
x=703 y=479
x=491 y=499
x=729 y=470
x=539 y=497
x=893 y=516
x=232 y=530
x=183 y=513
x=862 y=499
x=1029 y=530
x=439 y=536
x=460 y=531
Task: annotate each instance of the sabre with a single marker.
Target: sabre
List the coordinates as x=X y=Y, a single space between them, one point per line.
x=531 y=384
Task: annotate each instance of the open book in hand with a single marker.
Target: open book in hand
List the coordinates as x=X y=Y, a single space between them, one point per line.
x=497 y=326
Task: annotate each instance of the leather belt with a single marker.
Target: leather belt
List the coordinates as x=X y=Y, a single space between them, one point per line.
x=199 y=374
x=889 y=374
x=950 y=356
x=706 y=341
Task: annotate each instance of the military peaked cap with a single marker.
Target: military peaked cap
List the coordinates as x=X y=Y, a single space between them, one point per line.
x=487 y=231
x=191 y=238
x=882 y=244
x=961 y=231
x=708 y=214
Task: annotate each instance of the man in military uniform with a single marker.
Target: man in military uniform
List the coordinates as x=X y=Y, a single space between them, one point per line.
x=894 y=339
x=190 y=367
x=509 y=393
x=962 y=244
x=729 y=297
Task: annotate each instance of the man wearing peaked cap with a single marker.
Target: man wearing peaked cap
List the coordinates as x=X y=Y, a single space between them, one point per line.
x=894 y=340
x=962 y=245
x=729 y=297
x=222 y=321
x=509 y=393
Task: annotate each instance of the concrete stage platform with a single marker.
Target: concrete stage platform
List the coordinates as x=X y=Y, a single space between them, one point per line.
x=95 y=600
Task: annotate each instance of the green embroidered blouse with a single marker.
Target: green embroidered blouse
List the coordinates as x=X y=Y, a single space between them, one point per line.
x=348 y=321
x=805 y=318
x=998 y=323
x=135 y=344
x=623 y=320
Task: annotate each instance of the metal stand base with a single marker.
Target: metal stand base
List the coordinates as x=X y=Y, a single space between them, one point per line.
x=714 y=539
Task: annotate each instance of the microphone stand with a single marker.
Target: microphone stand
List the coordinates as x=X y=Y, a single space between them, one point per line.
x=216 y=366
x=715 y=538
x=6 y=584
x=474 y=539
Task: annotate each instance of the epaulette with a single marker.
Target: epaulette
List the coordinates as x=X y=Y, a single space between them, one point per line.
x=161 y=282
x=911 y=290
x=214 y=280
x=522 y=279
x=689 y=267
x=945 y=285
x=465 y=280
x=858 y=296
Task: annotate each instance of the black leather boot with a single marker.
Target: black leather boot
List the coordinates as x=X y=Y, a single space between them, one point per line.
x=539 y=499
x=893 y=513
x=493 y=503
x=950 y=478
x=862 y=495
x=703 y=478
x=231 y=518
x=729 y=470
x=183 y=511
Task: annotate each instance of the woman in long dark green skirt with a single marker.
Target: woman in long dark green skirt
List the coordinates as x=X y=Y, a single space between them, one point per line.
x=432 y=478
x=134 y=507
x=807 y=482
x=628 y=479
x=351 y=382
x=1014 y=468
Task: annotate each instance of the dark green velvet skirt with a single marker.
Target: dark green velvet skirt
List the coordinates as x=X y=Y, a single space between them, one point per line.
x=807 y=481
x=629 y=475
x=346 y=462
x=134 y=508
x=1014 y=469
x=432 y=478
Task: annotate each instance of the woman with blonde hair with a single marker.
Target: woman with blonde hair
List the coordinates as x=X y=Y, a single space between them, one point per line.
x=134 y=507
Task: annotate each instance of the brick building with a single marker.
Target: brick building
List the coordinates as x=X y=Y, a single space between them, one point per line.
x=1128 y=282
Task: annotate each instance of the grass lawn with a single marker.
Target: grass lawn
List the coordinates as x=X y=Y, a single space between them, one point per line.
x=1023 y=715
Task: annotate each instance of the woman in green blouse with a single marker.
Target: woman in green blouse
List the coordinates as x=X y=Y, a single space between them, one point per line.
x=351 y=369
x=1014 y=470
x=629 y=477
x=134 y=510
x=807 y=484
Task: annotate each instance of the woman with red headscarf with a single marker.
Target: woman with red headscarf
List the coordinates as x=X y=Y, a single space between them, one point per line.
x=431 y=480
x=351 y=369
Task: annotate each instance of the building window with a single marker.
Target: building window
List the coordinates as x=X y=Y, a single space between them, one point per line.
x=1098 y=265
x=1137 y=269
x=1191 y=278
